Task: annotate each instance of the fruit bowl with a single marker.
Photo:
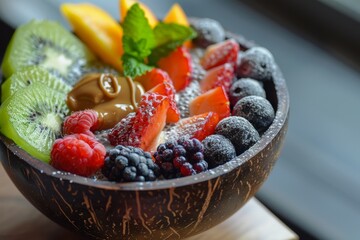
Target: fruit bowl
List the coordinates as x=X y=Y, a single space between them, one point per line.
x=162 y=209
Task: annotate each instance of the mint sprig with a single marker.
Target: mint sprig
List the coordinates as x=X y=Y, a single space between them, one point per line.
x=143 y=44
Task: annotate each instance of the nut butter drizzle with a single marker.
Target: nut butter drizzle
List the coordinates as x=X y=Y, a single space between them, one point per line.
x=110 y=96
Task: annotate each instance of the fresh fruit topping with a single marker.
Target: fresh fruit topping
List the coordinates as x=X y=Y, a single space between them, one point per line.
x=239 y=131
x=218 y=150
x=257 y=110
x=46 y=44
x=198 y=126
x=29 y=75
x=219 y=54
x=181 y=158
x=120 y=132
x=214 y=100
x=32 y=118
x=257 y=63
x=81 y=122
x=78 y=153
x=125 y=5
x=129 y=164
x=147 y=124
x=208 y=31
x=152 y=78
x=144 y=45
x=97 y=29
x=177 y=15
x=219 y=76
x=167 y=89
x=243 y=88
x=178 y=66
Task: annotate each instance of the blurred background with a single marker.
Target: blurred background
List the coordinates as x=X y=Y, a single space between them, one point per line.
x=315 y=186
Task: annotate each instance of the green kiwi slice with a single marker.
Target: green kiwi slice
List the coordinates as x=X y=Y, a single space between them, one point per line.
x=49 y=45
x=32 y=118
x=29 y=75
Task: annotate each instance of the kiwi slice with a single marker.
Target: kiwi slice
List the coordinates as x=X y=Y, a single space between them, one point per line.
x=32 y=118
x=29 y=75
x=47 y=44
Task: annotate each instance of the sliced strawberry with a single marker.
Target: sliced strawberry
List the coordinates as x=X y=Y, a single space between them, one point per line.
x=152 y=78
x=220 y=53
x=219 y=76
x=198 y=126
x=147 y=124
x=167 y=89
x=214 y=100
x=120 y=132
x=178 y=65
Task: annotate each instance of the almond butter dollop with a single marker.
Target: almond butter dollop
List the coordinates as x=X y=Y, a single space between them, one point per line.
x=111 y=96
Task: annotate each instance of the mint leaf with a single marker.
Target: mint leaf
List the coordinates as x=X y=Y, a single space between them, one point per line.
x=136 y=49
x=168 y=37
x=134 y=67
x=136 y=26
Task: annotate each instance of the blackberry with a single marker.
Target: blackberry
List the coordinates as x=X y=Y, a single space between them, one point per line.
x=239 y=131
x=129 y=164
x=245 y=87
x=257 y=63
x=208 y=31
x=257 y=110
x=218 y=150
x=183 y=157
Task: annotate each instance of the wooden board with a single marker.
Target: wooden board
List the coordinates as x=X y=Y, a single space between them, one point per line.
x=20 y=220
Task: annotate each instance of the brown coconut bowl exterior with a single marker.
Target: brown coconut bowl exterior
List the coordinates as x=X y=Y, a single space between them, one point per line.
x=164 y=209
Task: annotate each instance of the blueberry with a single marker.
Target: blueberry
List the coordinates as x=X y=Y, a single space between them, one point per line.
x=257 y=63
x=239 y=131
x=208 y=31
x=257 y=110
x=218 y=150
x=245 y=87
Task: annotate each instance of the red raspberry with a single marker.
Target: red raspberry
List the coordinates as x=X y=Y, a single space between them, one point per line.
x=81 y=122
x=78 y=153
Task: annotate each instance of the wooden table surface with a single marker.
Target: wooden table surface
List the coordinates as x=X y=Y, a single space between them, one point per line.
x=20 y=220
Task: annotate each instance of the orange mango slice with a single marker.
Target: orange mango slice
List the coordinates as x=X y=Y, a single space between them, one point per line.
x=125 y=5
x=98 y=30
x=177 y=15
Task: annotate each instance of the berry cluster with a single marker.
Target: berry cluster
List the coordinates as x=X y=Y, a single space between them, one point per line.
x=129 y=164
x=181 y=158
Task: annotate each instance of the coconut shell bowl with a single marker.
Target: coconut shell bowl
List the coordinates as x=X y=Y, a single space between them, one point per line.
x=163 y=209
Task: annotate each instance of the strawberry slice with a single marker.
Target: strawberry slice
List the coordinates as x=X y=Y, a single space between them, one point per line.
x=119 y=134
x=219 y=103
x=220 y=53
x=167 y=89
x=219 y=76
x=198 y=126
x=178 y=65
x=152 y=78
x=146 y=125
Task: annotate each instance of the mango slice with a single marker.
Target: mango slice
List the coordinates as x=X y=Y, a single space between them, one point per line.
x=177 y=15
x=125 y=5
x=98 y=30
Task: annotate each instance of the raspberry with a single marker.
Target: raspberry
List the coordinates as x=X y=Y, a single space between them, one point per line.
x=78 y=153
x=81 y=122
x=129 y=164
x=181 y=158
x=218 y=150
